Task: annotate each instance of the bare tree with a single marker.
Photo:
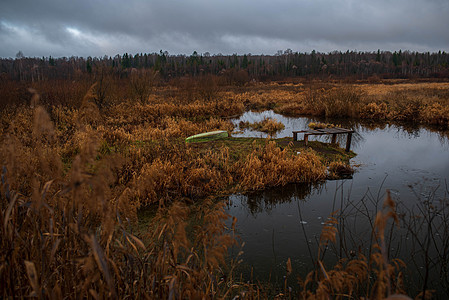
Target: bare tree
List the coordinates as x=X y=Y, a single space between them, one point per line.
x=142 y=81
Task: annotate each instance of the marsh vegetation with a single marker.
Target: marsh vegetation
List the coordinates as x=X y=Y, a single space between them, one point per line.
x=82 y=159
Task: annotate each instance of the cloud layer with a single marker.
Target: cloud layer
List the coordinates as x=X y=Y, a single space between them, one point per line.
x=97 y=28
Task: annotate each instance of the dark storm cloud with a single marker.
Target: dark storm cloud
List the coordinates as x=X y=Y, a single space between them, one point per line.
x=88 y=27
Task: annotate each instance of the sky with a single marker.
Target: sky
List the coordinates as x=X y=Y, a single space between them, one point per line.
x=68 y=28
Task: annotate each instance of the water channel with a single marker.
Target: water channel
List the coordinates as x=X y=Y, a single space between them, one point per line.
x=286 y=222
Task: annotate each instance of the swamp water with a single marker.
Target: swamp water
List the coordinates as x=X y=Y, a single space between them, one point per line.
x=286 y=222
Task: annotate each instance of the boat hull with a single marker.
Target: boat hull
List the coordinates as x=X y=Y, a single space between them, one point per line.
x=207 y=136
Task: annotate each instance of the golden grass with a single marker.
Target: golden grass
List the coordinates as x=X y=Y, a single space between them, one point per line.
x=270 y=166
x=319 y=125
x=65 y=232
x=425 y=102
x=384 y=89
x=267 y=125
x=74 y=175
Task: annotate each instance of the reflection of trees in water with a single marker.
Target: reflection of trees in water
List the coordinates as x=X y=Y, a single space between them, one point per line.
x=420 y=239
x=357 y=139
x=404 y=129
x=266 y=200
x=415 y=130
x=443 y=138
x=359 y=126
x=427 y=239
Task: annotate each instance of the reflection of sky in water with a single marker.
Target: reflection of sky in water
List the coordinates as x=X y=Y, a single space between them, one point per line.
x=405 y=156
x=280 y=223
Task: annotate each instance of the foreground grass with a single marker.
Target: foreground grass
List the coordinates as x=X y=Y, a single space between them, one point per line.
x=68 y=204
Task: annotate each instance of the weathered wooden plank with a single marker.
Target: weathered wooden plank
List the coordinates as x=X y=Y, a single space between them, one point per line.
x=348 y=142
x=327 y=130
x=315 y=132
x=344 y=130
x=324 y=130
x=300 y=131
x=333 y=130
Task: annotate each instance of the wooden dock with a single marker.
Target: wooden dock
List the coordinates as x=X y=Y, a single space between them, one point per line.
x=324 y=131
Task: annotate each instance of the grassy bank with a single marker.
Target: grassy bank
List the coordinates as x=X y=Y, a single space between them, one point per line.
x=423 y=103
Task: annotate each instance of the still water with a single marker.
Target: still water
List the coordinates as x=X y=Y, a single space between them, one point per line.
x=282 y=223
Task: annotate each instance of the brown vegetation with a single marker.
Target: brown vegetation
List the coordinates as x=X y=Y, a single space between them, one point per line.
x=74 y=178
x=267 y=125
x=271 y=166
x=418 y=103
x=318 y=125
x=209 y=96
x=76 y=169
x=373 y=277
x=66 y=229
x=338 y=169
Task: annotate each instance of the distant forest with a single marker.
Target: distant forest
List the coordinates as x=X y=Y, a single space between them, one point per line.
x=285 y=64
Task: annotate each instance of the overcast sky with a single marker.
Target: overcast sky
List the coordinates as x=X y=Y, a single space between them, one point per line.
x=97 y=28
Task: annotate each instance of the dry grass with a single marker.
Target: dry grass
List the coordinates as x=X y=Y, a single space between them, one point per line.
x=206 y=97
x=374 y=277
x=267 y=125
x=318 y=125
x=426 y=103
x=74 y=179
x=76 y=170
x=66 y=233
x=338 y=169
x=270 y=166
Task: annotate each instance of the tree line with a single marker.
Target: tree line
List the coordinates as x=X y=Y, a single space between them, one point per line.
x=284 y=64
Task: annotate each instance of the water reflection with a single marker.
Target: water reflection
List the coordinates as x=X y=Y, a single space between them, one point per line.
x=359 y=126
x=267 y=200
x=411 y=161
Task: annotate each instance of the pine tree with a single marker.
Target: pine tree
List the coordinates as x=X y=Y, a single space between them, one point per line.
x=88 y=67
x=245 y=62
x=378 y=55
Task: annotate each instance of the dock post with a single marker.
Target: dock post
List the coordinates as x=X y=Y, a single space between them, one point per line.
x=295 y=136
x=334 y=138
x=348 y=141
x=306 y=138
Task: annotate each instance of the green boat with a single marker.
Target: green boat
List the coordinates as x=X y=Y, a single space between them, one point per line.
x=207 y=136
